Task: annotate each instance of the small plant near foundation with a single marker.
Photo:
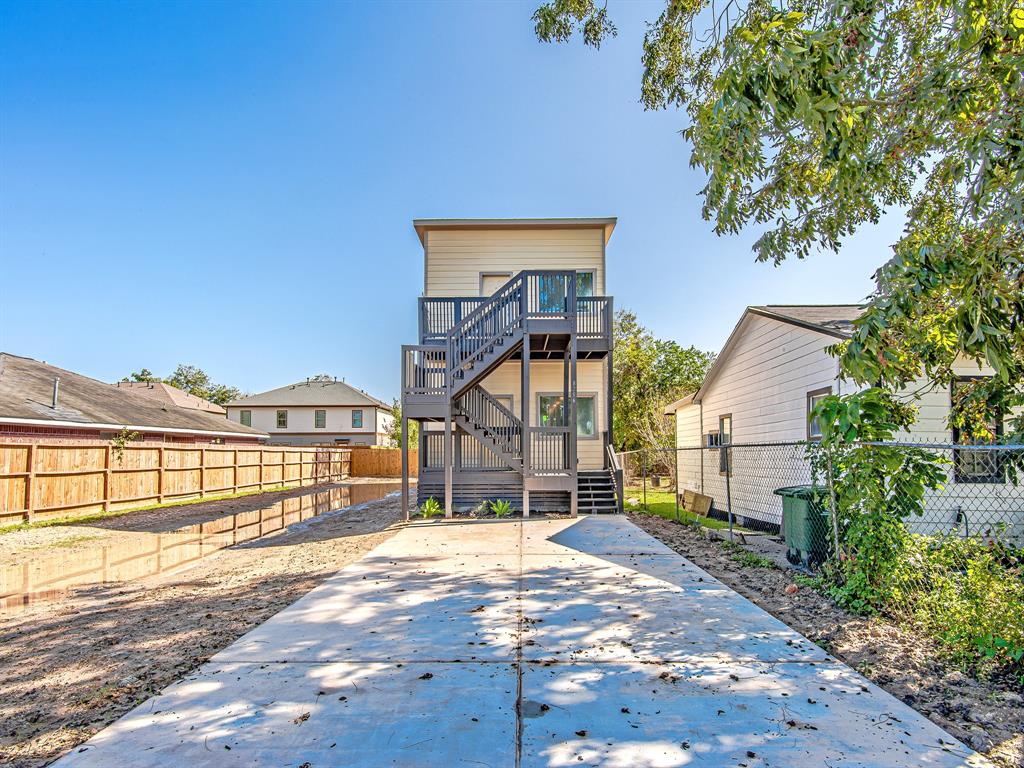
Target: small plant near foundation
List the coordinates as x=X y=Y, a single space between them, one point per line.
x=501 y=507
x=430 y=508
x=752 y=560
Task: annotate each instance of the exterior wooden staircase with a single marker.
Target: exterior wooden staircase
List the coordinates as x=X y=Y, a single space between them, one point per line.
x=441 y=382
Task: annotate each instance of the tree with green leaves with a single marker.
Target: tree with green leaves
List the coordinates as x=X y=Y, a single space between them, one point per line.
x=648 y=374
x=193 y=380
x=145 y=375
x=394 y=433
x=812 y=119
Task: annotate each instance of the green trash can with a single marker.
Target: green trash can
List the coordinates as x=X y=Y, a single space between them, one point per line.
x=805 y=524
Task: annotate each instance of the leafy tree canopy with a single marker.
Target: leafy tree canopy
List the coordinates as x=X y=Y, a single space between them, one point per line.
x=812 y=118
x=647 y=375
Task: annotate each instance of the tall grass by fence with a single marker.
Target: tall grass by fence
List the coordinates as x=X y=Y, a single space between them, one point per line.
x=41 y=480
x=381 y=462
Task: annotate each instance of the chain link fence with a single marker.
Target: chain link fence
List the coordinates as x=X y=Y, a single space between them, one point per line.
x=977 y=499
x=955 y=550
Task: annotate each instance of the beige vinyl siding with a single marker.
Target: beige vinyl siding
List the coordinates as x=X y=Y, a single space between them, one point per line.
x=591 y=378
x=455 y=259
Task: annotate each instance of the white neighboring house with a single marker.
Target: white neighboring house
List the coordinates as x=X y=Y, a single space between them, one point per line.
x=315 y=412
x=761 y=388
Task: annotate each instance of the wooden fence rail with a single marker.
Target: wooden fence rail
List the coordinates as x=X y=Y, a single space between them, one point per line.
x=40 y=480
x=381 y=462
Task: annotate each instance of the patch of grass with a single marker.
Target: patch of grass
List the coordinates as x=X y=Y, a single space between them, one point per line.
x=817 y=583
x=663 y=504
x=752 y=560
x=93 y=517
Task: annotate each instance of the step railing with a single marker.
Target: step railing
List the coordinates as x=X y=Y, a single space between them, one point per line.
x=487 y=413
x=477 y=334
x=615 y=470
x=531 y=294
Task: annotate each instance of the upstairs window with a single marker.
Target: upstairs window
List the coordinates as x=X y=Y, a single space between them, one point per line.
x=584 y=284
x=319 y=419
x=282 y=419
x=245 y=418
x=357 y=419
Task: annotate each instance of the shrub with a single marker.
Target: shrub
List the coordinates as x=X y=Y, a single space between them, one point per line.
x=501 y=507
x=430 y=508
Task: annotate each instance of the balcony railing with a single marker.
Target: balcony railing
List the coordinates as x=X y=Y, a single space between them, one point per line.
x=594 y=317
x=438 y=315
x=470 y=453
x=424 y=370
x=551 y=451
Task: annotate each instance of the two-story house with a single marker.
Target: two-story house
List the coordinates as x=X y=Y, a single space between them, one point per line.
x=316 y=411
x=511 y=379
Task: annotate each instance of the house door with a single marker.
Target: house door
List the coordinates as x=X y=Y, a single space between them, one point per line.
x=490 y=282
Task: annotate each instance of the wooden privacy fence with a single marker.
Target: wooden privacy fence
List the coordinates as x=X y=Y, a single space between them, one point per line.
x=39 y=480
x=381 y=462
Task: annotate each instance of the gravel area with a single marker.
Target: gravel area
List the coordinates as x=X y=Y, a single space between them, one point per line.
x=71 y=666
x=988 y=715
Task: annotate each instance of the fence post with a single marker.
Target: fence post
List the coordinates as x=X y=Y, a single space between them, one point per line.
x=728 y=490
x=30 y=480
x=106 y=479
x=160 y=476
x=675 y=479
x=834 y=510
x=643 y=476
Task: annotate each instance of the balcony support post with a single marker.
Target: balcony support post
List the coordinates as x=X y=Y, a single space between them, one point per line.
x=448 y=469
x=405 y=466
x=571 y=435
x=524 y=402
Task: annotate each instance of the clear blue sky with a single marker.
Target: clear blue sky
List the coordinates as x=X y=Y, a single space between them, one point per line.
x=232 y=185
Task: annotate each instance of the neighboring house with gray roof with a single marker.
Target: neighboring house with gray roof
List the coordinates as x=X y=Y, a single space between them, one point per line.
x=315 y=412
x=772 y=371
x=42 y=402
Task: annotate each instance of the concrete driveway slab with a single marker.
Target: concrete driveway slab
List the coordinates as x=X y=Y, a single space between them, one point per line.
x=722 y=714
x=434 y=609
x=546 y=642
x=349 y=714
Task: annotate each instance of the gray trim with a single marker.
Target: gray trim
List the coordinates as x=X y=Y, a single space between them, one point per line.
x=801 y=323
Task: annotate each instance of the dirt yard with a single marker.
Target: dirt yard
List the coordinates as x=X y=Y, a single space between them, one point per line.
x=987 y=715
x=73 y=665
